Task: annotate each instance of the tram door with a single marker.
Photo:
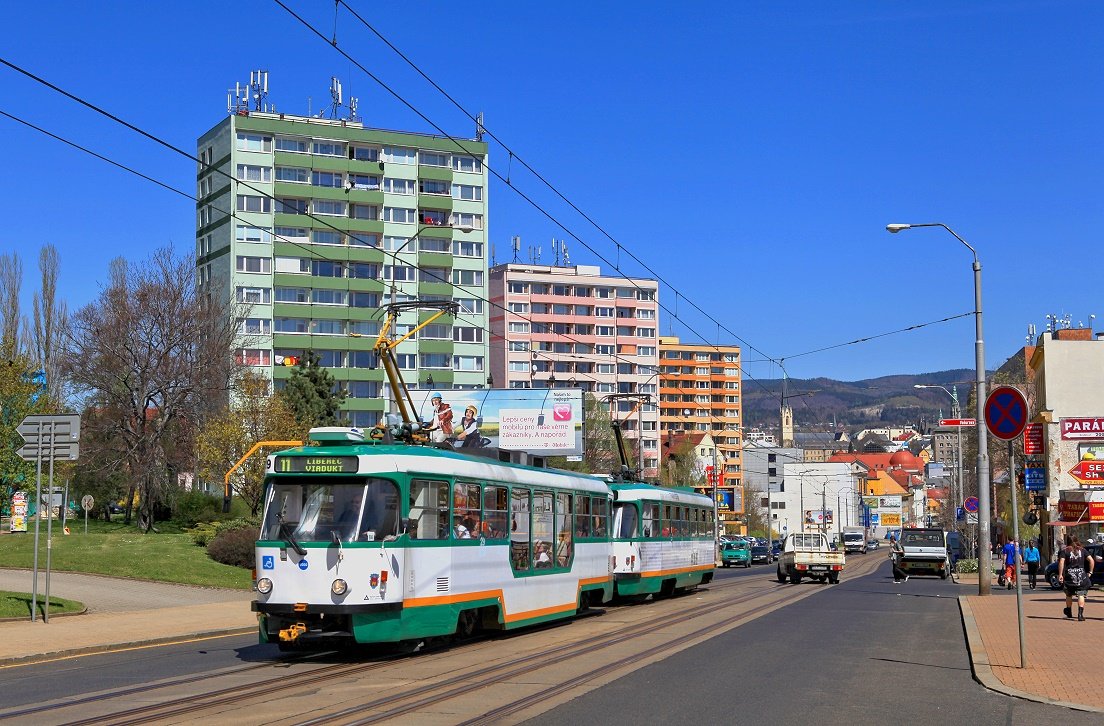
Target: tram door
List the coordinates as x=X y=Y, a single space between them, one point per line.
x=626 y=545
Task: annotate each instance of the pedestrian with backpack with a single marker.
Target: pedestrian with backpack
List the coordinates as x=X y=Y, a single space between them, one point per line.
x=1075 y=568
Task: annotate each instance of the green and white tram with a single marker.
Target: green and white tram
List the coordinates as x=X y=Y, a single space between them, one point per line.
x=663 y=539
x=383 y=542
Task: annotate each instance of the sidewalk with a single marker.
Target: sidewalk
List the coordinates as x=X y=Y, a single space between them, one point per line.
x=120 y=613
x=1061 y=654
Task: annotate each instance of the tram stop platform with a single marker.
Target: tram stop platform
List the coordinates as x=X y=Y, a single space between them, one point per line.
x=120 y=613
x=1059 y=651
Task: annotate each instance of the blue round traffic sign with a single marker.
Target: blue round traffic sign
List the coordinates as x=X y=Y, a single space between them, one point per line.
x=1006 y=412
x=971 y=504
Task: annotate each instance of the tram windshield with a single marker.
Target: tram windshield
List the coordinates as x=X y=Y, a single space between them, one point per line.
x=315 y=509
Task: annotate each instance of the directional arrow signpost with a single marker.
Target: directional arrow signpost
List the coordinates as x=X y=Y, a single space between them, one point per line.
x=1088 y=472
x=50 y=437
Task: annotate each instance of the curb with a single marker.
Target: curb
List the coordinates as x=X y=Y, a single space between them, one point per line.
x=111 y=647
x=983 y=673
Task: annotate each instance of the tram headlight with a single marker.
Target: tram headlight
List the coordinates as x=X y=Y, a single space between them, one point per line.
x=264 y=585
x=339 y=587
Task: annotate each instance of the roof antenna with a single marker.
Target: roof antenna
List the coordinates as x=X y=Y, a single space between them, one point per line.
x=479 y=128
x=335 y=96
x=258 y=89
x=516 y=242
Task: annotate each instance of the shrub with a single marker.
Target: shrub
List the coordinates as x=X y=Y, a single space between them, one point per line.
x=966 y=566
x=234 y=546
x=194 y=507
x=202 y=534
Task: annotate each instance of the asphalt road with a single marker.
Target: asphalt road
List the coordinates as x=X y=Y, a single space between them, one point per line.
x=864 y=651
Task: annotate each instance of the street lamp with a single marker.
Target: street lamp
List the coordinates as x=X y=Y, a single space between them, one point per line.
x=984 y=563
x=956 y=412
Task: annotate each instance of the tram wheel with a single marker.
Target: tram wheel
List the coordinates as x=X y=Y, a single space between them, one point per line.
x=467 y=623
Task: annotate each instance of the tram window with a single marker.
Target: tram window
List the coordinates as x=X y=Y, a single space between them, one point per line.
x=684 y=521
x=496 y=505
x=564 y=548
x=519 y=529
x=599 y=510
x=695 y=522
x=651 y=519
x=668 y=521
x=428 y=509
x=465 y=511
x=582 y=516
x=699 y=530
x=543 y=535
x=626 y=520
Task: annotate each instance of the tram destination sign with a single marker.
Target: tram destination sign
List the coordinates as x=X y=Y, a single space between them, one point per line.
x=316 y=464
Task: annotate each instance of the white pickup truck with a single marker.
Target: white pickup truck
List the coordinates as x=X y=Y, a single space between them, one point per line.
x=807 y=554
x=925 y=552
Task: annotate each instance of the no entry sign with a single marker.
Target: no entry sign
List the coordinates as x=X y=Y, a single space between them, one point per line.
x=1006 y=412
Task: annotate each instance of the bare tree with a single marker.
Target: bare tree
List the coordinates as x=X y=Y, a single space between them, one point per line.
x=151 y=353
x=11 y=279
x=50 y=320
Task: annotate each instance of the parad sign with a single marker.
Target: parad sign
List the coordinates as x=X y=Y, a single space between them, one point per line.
x=1082 y=428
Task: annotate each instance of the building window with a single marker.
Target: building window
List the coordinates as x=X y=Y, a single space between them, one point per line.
x=521 y=308
x=467 y=219
x=292 y=294
x=251 y=203
x=254 y=295
x=465 y=334
x=519 y=287
x=519 y=346
x=398 y=155
x=292 y=325
x=472 y=306
x=434 y=360
x=364 y=211
x=330 y=179
x=293 y=144
x=245 y=233
x=399 y=214
x=293 y=265
x=329 y=207
x=363 y=270
x=467 y=163
x=254 y=142
x=468 y=192
x=248 y=172
x=365 y=153
x=398 y=186
x=327 y=237
x=325 y=268
x=467 y=362
x=328 y=148
x=471 y=278
x=292 y=174
x=291 y=233
x=329 y=297
x=256 y=326
x=645 y=314
x=254 y=357
x=364 y=182
x=433 y=158
x=254 y=264
x=364 y=300
x=434 y=186
x=467 y=249
x=399 y=273
x=328 y=327
x=519 y=327
x=291 y=206
x=434 y=244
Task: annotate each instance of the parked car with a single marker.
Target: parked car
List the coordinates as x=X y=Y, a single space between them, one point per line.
x=776 y=550
x=761 y=553
x=735 y=553
x=114 y=509
x=1050 y=574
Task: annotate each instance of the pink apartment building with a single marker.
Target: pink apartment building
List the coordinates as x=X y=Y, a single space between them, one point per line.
x=572 y=327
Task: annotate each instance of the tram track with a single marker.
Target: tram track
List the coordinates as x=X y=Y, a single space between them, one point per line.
x=404 y=702
x=439 y=692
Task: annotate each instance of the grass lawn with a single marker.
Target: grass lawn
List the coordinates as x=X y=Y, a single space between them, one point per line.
x=18 y=605
x=112 y=548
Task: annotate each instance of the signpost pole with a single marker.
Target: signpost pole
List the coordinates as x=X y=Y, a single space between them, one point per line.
x=1018 y=558
x=49 y=526
x=38 y=520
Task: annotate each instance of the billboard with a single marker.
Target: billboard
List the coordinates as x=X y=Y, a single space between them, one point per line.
x=891 y=502
x=890 y=519
x=545 y=422
x=818 y=518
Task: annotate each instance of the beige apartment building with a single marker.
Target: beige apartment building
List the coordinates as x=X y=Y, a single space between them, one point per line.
x=572 y=327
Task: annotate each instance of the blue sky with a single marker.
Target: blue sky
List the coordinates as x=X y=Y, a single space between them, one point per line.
x=750 y=154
